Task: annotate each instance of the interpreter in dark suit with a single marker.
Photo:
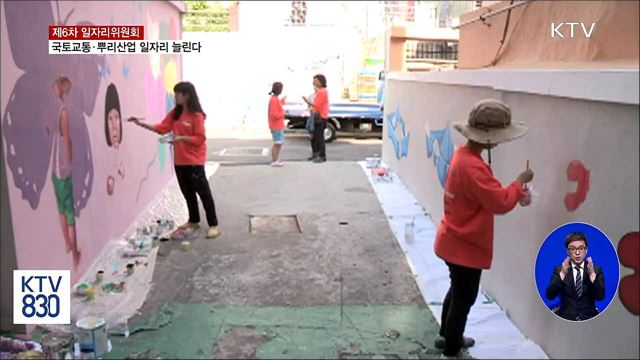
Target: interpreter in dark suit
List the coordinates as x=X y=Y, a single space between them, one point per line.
x=578 y=282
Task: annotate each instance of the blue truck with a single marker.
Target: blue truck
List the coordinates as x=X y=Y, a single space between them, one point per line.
x=356 y=119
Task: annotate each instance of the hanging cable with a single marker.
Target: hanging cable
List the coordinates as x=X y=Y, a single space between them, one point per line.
x=504 y=35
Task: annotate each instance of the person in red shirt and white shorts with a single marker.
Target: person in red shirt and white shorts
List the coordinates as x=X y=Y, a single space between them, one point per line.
x=472 y=196
x=276 y=123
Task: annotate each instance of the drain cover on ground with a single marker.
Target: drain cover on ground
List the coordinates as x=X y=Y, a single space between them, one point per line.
x=244 y=151
x=273 y=224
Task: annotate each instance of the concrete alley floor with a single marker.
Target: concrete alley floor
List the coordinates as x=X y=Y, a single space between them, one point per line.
x=339 y=288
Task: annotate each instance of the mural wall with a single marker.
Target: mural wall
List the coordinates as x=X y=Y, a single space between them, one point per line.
x=585 y=157
x=77 y=174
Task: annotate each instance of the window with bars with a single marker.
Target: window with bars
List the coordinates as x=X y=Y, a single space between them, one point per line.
x=431 y=50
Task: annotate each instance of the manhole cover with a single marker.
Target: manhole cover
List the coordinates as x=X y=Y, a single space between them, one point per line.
x=273 y=224
x=244 y=151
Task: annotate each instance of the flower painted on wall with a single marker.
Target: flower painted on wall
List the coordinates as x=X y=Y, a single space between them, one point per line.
x=440 y=148
x=578 y=173
x=398 y=134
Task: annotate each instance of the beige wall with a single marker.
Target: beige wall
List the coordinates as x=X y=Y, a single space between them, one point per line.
x=614 y=41
x=599 y=129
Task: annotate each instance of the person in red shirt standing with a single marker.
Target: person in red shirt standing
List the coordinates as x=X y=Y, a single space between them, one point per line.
x=320 y=107
x=186 y=121
x=472 y=196
x=276 y=123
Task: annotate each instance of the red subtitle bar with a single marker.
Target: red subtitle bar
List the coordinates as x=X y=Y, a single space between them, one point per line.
x=119 y=32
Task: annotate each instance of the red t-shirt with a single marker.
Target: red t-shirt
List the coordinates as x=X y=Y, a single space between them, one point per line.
x=472 y=197
x=276 y=113
x=193 y=151
x=321 y=103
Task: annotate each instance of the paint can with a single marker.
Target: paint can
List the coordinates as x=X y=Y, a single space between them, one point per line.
x=409 y=232
x=185 y=245
x=57 y=345
x=99 y=276
x=92 y=335
x=130 y=267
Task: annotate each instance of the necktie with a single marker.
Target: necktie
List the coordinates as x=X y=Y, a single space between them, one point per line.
x=578 y=282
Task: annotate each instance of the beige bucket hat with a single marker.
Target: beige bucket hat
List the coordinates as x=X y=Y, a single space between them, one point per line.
x=490 y=122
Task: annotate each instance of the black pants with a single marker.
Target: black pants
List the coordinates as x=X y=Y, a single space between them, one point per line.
x=193 y=180
x=460 y=297
x=317 y=144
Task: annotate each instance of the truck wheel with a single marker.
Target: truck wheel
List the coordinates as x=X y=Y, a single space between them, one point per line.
x=329 y=133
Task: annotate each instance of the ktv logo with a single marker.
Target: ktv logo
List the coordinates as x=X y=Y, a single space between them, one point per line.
x=41 y=296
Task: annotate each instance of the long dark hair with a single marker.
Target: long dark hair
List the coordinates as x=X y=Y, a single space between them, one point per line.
x=112 y=101
x=322 y=80
x=193 y=103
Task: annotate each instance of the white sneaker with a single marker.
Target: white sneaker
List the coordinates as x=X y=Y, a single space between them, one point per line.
x=277 y=164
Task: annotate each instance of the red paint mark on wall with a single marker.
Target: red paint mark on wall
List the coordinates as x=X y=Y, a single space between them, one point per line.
x=578 y=173
x=629 y=255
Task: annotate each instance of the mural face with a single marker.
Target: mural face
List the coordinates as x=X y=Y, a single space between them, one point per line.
x=113 y=134
x=398 y=134
x=112 y=117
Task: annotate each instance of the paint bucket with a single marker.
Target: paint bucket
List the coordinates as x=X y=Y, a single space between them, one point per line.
x=92 y=335
x=373 y=162
x=185 y=245
x=99 y=276
x=57 y=346
x=130 y=267
x=409 y=232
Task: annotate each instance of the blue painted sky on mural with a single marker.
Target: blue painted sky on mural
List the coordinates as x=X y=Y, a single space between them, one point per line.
x=440 y=148
x=398 y=133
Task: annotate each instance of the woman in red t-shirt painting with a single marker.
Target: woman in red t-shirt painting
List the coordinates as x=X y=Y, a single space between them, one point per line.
x=186 y=121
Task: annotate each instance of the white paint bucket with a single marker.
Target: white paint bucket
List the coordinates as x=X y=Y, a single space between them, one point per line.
x=409 y=232
x=92 y=335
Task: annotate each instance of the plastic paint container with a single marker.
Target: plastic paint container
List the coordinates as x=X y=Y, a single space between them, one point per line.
x=409 y=232
x=57 y=346
x=130 y=269
x=99 y=276
x=92 y=335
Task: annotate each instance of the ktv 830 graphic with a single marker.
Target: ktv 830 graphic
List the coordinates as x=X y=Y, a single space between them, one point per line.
x=41 y=296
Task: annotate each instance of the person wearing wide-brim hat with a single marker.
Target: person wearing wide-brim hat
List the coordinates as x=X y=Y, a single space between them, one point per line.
x=472 y=197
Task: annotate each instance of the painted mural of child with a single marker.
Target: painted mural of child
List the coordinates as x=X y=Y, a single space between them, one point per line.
x=113 y=134
x=61 y=170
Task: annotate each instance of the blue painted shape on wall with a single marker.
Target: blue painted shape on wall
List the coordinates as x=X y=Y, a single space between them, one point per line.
x=441 y=154
x=398 y=134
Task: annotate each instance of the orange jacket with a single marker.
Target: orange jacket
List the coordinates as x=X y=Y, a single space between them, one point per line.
x=193 y=151
x=472 y=197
